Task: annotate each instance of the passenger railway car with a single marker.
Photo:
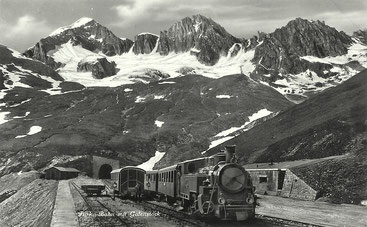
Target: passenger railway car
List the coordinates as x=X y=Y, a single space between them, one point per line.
x=151 y=183
x=126 y=179
x=214 y=186
x=167 y=183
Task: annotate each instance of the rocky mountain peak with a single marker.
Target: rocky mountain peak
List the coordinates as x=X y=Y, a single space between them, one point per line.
x=85 y=32
x=281 y=50
x=84 y=21
x=206 y=37
x=361 y=35
x=144 y=43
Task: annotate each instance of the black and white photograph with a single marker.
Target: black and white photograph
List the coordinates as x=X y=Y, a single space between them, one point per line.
x=189 y=113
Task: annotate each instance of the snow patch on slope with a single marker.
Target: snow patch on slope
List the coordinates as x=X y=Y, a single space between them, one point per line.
x=158 y=123
x=148 y=165
x=228 y=134
x=33 y=130
x=3 y=118
x=309 y=81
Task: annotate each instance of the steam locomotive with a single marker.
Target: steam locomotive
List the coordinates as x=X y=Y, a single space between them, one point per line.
x=212 y=186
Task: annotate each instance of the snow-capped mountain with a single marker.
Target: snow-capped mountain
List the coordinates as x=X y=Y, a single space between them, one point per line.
x=298 y=60
x=85 y=33
x=197 y=34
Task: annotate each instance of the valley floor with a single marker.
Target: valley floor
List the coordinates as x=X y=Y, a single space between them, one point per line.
x=313 y=212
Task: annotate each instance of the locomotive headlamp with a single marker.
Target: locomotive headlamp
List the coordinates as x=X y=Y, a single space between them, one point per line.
x=250 y=199
x=232 y=178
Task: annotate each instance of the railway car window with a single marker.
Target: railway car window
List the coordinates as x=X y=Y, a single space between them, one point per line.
x=140 y=176
x=172 y=176
x=132 y=174
x=191 y=167
x=263 y=179
x=123 y=176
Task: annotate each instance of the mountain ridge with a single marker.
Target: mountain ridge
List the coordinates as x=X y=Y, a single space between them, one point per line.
x=299 y=59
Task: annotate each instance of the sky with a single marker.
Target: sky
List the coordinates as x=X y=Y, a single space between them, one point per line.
x=24 y=22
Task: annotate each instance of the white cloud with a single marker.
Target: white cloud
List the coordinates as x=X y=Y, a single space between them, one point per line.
x=139 y=10
x=26 y=25
x=25 y=28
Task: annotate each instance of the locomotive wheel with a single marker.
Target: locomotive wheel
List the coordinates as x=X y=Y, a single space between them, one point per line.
x=170 y=200
x=193 y=208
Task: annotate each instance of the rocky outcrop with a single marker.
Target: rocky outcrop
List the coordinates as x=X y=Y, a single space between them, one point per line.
x=89 y=34
x=206 y=37
x=144 y=43
x=12 y=59
x=149 y=75
x=2 y=80
x=100 y=68
x=361 y=35
x=186 y=70
x=279 y=51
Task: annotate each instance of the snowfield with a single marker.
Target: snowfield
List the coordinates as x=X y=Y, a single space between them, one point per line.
x=301 y=83
x=130 y=64
x=148 y=165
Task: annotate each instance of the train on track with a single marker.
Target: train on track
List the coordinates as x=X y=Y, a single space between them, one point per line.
x=126 y=179
x=214 y=186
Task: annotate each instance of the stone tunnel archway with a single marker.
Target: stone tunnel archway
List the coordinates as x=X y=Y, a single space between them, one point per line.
x=105 y=171
x=102 y=167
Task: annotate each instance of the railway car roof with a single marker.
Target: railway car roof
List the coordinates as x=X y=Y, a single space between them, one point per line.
x=168 y=168
x=63 y=169
x=152 y=171
x=192 y=160
x=126 y=167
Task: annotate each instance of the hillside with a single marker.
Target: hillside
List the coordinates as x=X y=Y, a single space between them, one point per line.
x=331 y=123
x=129 y=123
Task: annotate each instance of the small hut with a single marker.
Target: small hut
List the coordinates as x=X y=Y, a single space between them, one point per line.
x=61 y=173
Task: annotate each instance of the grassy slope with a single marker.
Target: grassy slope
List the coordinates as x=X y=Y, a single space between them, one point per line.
x=327 y=124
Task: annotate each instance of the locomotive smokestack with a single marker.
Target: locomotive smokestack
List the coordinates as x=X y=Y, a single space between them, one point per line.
x=230 y=150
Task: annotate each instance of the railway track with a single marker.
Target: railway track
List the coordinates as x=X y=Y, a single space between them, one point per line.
x=260 y=220
x=104 y=216
x=180 y=216
x=282 y=221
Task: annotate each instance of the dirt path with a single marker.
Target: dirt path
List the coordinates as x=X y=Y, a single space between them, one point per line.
x=319 y=213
